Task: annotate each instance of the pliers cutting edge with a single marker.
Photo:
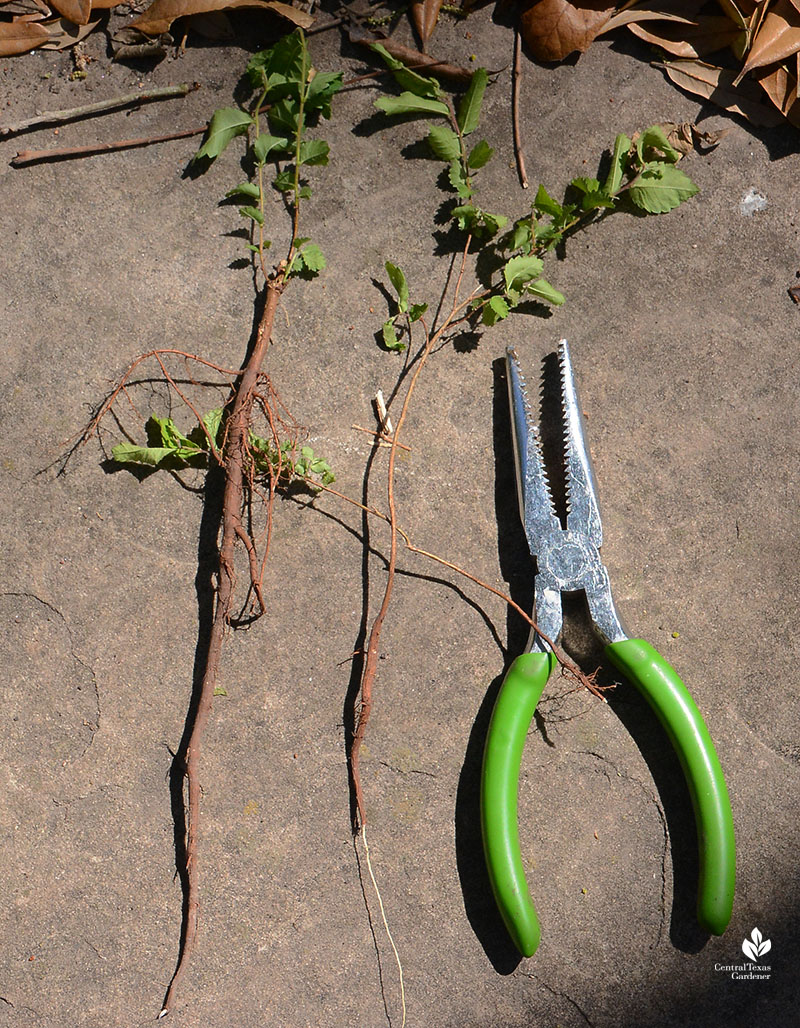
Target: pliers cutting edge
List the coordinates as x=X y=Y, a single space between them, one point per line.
x=567 y=561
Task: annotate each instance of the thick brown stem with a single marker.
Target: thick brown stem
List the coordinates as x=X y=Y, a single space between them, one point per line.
x=234 y=456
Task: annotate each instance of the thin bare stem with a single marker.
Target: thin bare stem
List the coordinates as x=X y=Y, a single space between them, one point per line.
x=516 y=86
x=99 y=107
x=31 y=156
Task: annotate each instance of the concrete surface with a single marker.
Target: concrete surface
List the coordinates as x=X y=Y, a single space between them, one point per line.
x=685 y=343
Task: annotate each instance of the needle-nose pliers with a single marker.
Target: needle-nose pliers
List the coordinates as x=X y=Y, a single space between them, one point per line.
x=567 y=561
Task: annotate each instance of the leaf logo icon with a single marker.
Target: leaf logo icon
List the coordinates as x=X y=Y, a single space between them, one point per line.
x=756 y=946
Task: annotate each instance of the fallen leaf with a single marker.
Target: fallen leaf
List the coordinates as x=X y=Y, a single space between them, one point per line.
x=64 y=33
x=782 y=87
x=639 y=14
x=18 y=37
x=413 y=58
x=214 y=25
x=777 y=38
x=687 y=136
x=716 y=84
x=425 y=15
x=76 y=11
x=695 y=39
x=553 y=29
x=160 y=15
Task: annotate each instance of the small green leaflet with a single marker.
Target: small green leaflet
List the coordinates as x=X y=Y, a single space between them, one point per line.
x=544 y=204
x=416 y=310
x=398 y=280
x=469 y=110
x=458 y=180
x=660 y=188
x=479 y=155
x=495 y=310
x=655 y=138
x=284 y=180
x=390 y=340
x=407 y=79
x=444 y=143
x=128 y=453
x=245 y=189
x=265 y=144
x=542 y=289
x=308 y=261
x=519 y=271
x=407 y=103
x=314 y=151
x=321 y=89
x=473 y=219
x=225 y=125
x=285 y=62
x=619 y=162
x=253 y=213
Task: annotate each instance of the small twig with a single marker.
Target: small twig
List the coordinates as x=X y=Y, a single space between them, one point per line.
x=58 y=117
x=516 y=83
x=31 y=156
x=382 y=438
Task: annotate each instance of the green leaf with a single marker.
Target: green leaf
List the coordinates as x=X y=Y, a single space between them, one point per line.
x=519 y=271
x=284 y=180
x=467 y=216
x=544 y=204
x=314 y=151
x=390 y=340
x=619 y=162
x=128 y=453
x=469 y=110
x=245 y=189
x=313 y=258
x=253 y=213
x=660 y=188
x=225 y=125
x=493 y=222
x=284 y=63
x=444 y=143
x=495 y=310
x=406 y=78
x=596 y=199
x=398 y=280
x=416 y=310
x=542 y=289
x=265 y=144
x=323 y=86
x=285 y=117
x=408 y=103
x=655 y=139
x=458 y=180
x=585 y=185
x=521 y=235
x=479 y=155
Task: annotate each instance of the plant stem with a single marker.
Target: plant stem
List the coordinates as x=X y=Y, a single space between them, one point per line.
x=234 y=458
x=30 y=156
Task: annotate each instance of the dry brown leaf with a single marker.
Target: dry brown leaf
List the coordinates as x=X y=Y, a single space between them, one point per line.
x=105 y=5
x=687 y=136
x=214 y=25
x=697 y=39
x=160 y=15
x=782 y=87
x=639 y=14
x=716 y=84
x=77 y=11
x=777 y=38
x=425 y=15
x=64 y=33
x=18 y=37
x=553 y=29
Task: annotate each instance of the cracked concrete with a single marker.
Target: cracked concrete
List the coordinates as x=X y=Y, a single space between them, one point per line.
x=685 y=345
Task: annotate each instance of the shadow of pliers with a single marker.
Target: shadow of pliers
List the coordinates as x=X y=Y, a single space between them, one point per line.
x=568 y=561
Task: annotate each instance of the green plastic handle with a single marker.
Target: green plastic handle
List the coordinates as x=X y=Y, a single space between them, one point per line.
x=505 y=740
x=657 y=681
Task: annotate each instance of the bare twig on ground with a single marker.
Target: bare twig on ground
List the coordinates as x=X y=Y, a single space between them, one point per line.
x=100 y=106
x=31 y=156
x=516 y=84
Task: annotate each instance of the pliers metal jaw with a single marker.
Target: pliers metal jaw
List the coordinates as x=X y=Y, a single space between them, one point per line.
x=568 y=560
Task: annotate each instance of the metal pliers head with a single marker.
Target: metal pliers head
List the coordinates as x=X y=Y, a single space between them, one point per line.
x=568 y=558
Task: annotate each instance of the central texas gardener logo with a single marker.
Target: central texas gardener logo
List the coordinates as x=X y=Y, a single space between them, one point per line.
x=756 y=946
